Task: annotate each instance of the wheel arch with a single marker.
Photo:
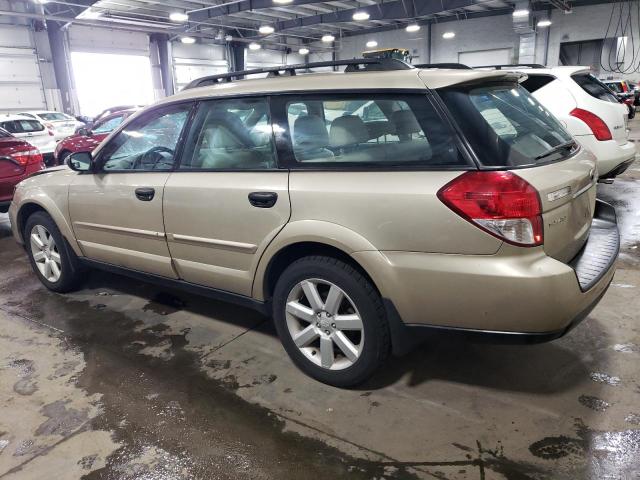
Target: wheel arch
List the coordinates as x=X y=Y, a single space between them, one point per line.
x=30 y=207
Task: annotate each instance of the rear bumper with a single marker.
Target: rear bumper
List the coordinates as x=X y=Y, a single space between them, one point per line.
x=610 y=154
x=521 y=295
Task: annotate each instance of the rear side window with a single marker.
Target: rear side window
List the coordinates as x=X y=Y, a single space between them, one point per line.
x=53 y=116
x=506 y=126
x=372 y=130
x=4 y=133
x=594 y=87
x=22 y=126
x=536 y=82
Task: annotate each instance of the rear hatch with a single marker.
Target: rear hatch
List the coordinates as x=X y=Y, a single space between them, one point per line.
x=507 y=129
x=598 y=99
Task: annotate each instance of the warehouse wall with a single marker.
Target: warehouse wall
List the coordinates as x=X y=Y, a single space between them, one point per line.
x=195 y=61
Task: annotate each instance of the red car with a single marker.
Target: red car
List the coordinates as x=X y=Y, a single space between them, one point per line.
x=85 y=140
x=18 y=160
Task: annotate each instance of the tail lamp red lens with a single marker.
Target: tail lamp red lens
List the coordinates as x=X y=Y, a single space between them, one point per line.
x=501 y=203
x=594 y=122
x=27 y=156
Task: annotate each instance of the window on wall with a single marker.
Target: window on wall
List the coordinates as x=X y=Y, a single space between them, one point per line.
x=104 y=80
x=369 y=129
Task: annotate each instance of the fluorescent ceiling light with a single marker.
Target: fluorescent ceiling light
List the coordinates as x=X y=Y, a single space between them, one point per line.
x=372 y=43
x=303 y=51
x=448 y=35
x=254 y=46
x=282 y=2
x=359 y=16
x=544 y=23
x=266 y=29
x=413 y=27
x=178 y=17
x=328 y=38
x=523 y=12
x=188 y=40
x=42 y=1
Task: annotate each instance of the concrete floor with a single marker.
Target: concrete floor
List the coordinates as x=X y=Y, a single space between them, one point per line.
x=123 y=380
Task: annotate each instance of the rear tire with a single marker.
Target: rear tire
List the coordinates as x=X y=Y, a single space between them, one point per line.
x=331 y=321
x=62 y=159
x=52 y=259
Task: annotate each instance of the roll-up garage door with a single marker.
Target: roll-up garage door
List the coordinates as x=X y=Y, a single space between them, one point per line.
x=20 y=81
x=196 y=61
x=110 y=68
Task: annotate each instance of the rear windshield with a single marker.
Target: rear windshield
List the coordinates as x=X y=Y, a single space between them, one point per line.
x=536 y=82
x=506 y=126
x=594 y=87
x=52 y=117
x=22 y=126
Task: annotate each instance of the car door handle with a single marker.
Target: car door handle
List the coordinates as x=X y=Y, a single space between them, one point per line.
x=263 y=199
x=145 y=193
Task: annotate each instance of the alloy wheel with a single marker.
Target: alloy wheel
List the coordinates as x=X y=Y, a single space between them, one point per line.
x=324 y=324
x=45 y=253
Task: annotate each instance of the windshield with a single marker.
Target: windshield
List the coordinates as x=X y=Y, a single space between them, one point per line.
x=53 y=116
x=506 y=126
x=594 y=87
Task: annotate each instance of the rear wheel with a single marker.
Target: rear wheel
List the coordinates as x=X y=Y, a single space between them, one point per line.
x=331 y=321
x=52 y=260
x=62 y=158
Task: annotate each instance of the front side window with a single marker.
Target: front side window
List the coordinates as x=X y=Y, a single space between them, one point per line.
x=148 y=143
x=53 y=116
x=109 y=125
x=231 y=134
x=369 y=130
x=594 y=87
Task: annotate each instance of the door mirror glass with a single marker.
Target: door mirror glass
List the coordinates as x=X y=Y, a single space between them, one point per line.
x=79 y=161
x=85 y=132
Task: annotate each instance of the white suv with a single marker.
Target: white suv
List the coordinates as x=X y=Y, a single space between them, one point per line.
x=30 y=130
x=589 y=111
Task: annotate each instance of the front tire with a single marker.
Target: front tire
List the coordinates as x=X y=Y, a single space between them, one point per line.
x=331 y=321
x=53 y=261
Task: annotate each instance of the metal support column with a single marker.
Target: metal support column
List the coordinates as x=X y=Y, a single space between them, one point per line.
x=61 y=61
x=162 y=60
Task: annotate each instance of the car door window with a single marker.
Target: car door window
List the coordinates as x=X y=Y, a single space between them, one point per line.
x=231 y=134
x=109 y=125
x=148 y=143
x=373 y=130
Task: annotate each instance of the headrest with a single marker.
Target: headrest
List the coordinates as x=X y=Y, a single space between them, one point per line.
x=226 y=130
x=348 y=130
x=310 y=132
x=405 y=122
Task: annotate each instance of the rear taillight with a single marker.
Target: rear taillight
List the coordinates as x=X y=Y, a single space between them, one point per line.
x=501 y=203
x=594 y=122
x=27 y=157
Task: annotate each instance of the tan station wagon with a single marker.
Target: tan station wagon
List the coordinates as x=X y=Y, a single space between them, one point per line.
x=358 y=208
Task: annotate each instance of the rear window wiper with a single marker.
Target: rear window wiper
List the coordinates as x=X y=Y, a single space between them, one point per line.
x=570 y=144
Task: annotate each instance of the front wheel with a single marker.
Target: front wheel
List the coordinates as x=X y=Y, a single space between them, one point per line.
x=54 y=263
x=331 y=321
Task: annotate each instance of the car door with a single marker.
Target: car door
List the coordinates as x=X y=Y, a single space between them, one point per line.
x=116 y=210
x=227 y=199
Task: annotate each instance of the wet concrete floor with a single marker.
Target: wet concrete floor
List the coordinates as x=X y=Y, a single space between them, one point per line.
x=123 y=380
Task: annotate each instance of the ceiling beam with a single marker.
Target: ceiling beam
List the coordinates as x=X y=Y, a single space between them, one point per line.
x=392 y=10
x=239 y=6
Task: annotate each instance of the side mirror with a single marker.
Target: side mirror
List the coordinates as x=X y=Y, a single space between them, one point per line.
x=80 y=161
x=84 y=131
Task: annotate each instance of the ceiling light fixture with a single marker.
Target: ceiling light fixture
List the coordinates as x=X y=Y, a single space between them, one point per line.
x=448 y=35
x=414 y=27
x=254 y=46
x=328 y=38
x=266 y=29
x=188 y=40
x=178 y=17
x=303 y=51
x=523 y=12
x=544 y=23
x=371 y=44
x=360 y=16
x=282 y=2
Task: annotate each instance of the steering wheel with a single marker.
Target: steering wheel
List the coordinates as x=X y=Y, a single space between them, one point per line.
x=146 y=157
